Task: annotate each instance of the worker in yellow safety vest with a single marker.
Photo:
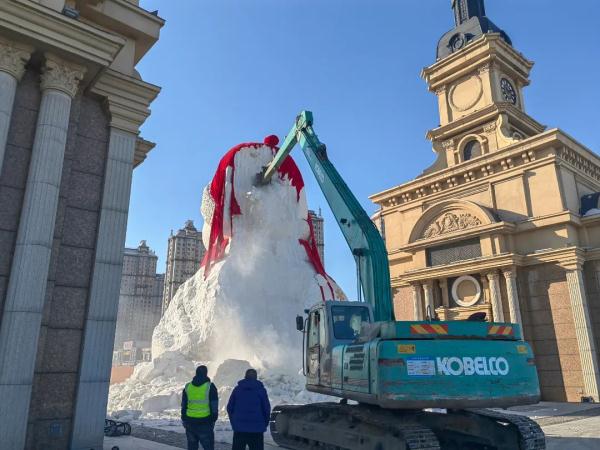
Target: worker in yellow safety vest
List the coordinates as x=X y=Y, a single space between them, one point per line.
x=199 y=410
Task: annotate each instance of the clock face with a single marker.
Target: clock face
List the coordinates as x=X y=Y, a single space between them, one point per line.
x=508 y=91
x=457 y=42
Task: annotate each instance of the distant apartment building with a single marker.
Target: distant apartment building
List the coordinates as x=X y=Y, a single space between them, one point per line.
x=317 y=221
x=184 y=255
x=140 y=301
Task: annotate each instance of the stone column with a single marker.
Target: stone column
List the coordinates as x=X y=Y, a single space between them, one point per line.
x=417 y=301
x=20 y=327
x=583 y=330
x=495 y=296
x=444 y=287
x=99 y=334
x=510 y=277
x=429 y=304
x=12 y=68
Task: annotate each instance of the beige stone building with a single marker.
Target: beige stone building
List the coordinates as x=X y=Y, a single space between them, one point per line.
x=71 y=106
x=494 y=226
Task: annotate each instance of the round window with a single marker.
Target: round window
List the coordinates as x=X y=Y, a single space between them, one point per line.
x=466 y=291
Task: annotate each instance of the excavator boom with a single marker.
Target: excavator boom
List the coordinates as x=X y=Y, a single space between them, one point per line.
x=363 y=238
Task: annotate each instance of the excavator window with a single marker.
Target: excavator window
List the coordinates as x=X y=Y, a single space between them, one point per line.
x=313 y=329
x=348 y=320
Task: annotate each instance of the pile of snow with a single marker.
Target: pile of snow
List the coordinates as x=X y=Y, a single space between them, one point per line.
x=261 y=272
x=159 y=396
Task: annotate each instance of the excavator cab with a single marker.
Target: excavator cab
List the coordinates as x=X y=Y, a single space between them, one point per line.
x=331 y=324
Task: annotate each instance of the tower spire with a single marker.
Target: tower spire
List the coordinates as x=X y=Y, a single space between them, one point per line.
x=470 y=22
x=465 y=9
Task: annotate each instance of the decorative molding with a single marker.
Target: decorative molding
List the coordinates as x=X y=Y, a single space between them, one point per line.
x=440 y=90
x=486 y=114
x=469 y=90
x=487 y=170
x=462 y=279
x=505 y=132
x=142 y=148
x=449 y=223
x=530 y=152
x=488 y=128
x=436 y=187
x=449 y=144
x=470 y=176
x=484 y=69
x=13 y=57
x=579 y=162
x=493 y=275
x=509 y=274
x=128 y=99
x=61 y=75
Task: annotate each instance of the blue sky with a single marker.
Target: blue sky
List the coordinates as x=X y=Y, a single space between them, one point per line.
x=237 y=70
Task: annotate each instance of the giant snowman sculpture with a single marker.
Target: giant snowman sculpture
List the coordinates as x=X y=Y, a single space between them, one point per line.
x=261 y=269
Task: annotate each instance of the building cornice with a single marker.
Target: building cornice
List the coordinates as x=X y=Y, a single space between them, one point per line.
x=128 y=99
x=48 y=30
x=570 y=258
x=483 y=169
x=467 y=267
x=490 y=48
x=142 y=148
x=125 y=18
x=485 y=116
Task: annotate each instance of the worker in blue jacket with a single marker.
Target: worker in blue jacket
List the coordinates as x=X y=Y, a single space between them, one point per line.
x=249 y=412
x=200 y=410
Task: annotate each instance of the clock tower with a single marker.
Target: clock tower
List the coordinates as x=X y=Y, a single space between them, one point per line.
x=506 y=223
x=479 y=80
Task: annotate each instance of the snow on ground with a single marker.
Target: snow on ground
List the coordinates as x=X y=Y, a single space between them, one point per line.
x=241 y=312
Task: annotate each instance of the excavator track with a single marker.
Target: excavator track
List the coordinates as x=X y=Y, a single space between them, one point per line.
x=484 y=429
x=531 y=436
x=332 y=426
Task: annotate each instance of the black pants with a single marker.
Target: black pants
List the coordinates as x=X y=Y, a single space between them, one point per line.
x=200 y=433
x=254 y=441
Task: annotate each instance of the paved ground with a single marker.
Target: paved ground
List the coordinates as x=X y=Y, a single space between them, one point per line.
x=568 y=426
x=145 y=438
x=581 y=434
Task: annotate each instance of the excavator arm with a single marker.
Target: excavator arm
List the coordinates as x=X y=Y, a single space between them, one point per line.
x=363 y=238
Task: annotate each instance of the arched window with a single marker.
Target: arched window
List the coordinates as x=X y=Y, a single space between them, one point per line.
x=472 y=150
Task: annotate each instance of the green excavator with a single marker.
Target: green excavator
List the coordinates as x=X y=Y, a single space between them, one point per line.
x=402 y=385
